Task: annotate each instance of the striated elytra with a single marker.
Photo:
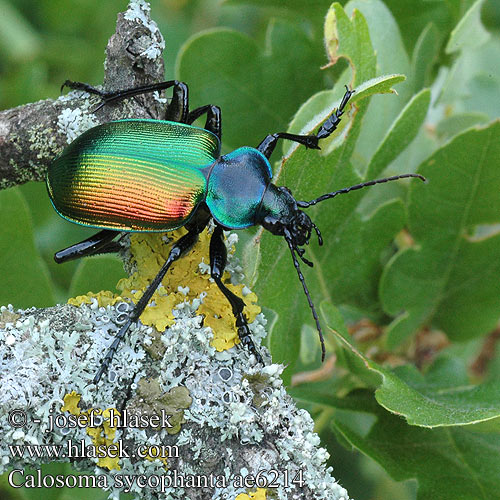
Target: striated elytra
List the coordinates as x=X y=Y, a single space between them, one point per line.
x=158 y=175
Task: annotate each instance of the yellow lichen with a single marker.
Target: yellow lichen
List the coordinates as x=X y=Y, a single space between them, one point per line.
x=149 y=252
x=102 y=436
x=104 y=298
x=71 y=402
x=260 y=494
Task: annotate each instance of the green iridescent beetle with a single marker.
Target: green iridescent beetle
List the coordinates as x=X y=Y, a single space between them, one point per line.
x=158 y=175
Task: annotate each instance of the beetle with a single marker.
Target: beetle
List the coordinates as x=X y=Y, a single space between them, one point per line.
x=141 y=175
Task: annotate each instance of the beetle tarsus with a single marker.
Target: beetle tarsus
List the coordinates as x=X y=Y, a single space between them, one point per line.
x=83 y=86
x=332 y=123
x=246 y=339
x=266 y=147
x=214 y=121
x=218 y=258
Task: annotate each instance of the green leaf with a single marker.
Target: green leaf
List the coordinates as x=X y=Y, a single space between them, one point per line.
x=384 y=35
x=402 y=132
x=450 y=278
x=18 y=39
x=258 y=89
x=473 y=82
x=25 y=280
x=101 y=272
x=391 y=57
x=469 y=33
x=424 y=56
x=453 y=125
x=349 y=38
x=441 y=397
x=449 y=463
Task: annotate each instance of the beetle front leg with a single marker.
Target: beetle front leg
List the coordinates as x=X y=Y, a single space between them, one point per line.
x=218 y=258
x=178 y=249
x=266 y=147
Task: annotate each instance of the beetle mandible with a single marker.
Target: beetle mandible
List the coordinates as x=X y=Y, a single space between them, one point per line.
x=158 y=175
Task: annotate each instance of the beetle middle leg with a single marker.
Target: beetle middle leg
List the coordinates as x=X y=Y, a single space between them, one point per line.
x=266 y=147
x=218 y=258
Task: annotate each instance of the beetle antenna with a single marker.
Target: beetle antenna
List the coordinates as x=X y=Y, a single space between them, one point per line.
x=318 y=232
x=293 y=249
x=306 y=204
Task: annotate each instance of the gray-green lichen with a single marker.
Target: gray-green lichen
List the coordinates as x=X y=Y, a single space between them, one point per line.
x=232 y=418
x=154 y=44
x=73 y=122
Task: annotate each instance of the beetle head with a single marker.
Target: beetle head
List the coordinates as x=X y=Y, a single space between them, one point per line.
x=283 y=217
x=281 y=214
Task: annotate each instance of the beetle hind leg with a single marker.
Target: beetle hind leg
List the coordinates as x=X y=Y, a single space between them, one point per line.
x=178 y=249
x=177 y=110
x=218 y=257
x=101 y=242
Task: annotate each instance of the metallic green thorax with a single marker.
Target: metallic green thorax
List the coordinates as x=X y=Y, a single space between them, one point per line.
x=236 y=187
x=151 y=175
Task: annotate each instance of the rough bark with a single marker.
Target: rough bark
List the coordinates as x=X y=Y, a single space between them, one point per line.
x=31 y=135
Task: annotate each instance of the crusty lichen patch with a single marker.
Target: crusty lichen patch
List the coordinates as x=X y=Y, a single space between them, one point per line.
x=150 y=399
x=102 y=436
x=188 y=279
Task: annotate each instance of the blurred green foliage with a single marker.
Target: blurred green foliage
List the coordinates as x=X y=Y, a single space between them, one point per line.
x=260 y=61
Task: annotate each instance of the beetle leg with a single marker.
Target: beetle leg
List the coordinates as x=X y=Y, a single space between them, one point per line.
x=213 y=123
x=178 y=107
x=100 y=242
x=218 y=257
x=266 y=147
x=177 y=110
x=82 y=86
x=178 y=249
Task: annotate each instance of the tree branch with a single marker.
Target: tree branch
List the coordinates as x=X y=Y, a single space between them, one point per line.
x=33 y=134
